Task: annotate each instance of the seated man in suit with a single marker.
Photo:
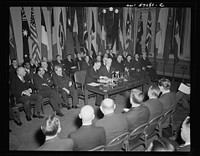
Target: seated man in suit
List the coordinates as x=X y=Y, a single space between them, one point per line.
x=51 y=128
x=43 y=84
x=113 y=123
x=48 y=70
x=139 y=113
x=85 y=64
x=65 y=86
x=21 y=90
x=12 y=68
x=154 y=105
x=70 y=65
x=59 y=62
x=88 y=136
x=185 y=135
x=107 y=70
x=118 y=64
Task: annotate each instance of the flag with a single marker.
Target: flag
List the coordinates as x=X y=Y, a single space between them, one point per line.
x=115 y=32
x=148 y=34
x=44 y=44
x=53 y=36
x=75 y=32
x=34 y=37
x=139 y=35
x=25 y=35
x=168 y=38
x=61 y=33
x=103 y=35
x=121 y=41
x=98 y=40
x=12 y=43
x=85 y=36
x=129 y=37
x=128 y=31
x=93 y=36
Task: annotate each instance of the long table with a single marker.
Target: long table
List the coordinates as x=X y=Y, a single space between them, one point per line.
x=107 y=90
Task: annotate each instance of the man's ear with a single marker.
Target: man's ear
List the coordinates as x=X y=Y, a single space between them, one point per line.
x=114 y=106
x=80 y=116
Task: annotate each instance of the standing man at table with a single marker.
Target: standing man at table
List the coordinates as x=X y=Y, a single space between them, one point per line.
x=92 y=75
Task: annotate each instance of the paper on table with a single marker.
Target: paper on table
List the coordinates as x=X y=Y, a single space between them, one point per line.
x=94 y=84
x=126 y=109
x=184 y=88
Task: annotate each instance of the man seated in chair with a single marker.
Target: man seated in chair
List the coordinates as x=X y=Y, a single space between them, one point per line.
x=138 y=114
x=113 y=123
x=155 y=106
x=43 y=83
x=51 y=128
x=20 y=89
x=65 y=86
x=87 y=136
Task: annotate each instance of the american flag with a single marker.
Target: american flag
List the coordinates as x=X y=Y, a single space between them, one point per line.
x=33 y=34
x=61 y=32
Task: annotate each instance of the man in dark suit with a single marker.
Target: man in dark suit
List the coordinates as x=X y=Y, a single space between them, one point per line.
x=85 y=64
x=88 y=136
x=113 y=123
x=12 y=69
x=65 y=86
x=154 y=105
x=70 y=65
x=21 y=90
x=138 y=114
x=43 y=84
x=51 y=128
x=118 y=64
x=59 y=62
x=107 y=70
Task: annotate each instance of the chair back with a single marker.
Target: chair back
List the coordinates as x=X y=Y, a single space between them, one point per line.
x=116 y=143
x=137 y=132
x=98 y=148
x=167 y=115
x=153 y=123
x=79 y=78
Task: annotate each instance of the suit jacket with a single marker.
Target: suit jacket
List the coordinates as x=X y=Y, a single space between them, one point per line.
x=104 y=72
x=155 y=107
x=91 y=75
x=57 y=144
x=88 y=137
x=137 y=116
x=61 y=81
x=118 y=66
x=38 y=81
x=168 y=100
x=114 y=125
x=17 y=86
x=84 y=65
x=69 y=65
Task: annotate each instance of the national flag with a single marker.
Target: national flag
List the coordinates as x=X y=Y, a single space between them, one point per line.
x=168 y=37
x=92 y=32
x=103 y=35
x=61 y=33
x=75 y=32
x=85 y=36
x=115 y=32
x=53 y=36
x=45 y=43
x=148 y=34
x=33 y=35
x=139 y=35
x=129 y=37
x=25 y=35
x=98 y=40
x=12 y=43
x=121 y=41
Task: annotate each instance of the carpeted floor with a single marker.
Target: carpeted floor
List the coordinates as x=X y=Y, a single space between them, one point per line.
x=29 y=136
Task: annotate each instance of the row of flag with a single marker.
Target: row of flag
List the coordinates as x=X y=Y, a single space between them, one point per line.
x=95 y=33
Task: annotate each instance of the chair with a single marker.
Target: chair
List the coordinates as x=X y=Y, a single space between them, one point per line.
x=117 y=142
x=134 y=140
x=98 y=148
x=79 y=78
x=152 y=128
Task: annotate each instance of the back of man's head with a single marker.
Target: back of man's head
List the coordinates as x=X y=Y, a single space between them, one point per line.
x=154 y=91
x=136 y=97
x=87 y=114
x=107 y=106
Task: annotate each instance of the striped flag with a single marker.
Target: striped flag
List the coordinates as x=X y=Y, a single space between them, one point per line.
x=139 y=35
x=25 y=35
x=34 y=37
x=44 y=44
x=12 y=43
x=93 y=35
x=61 y=33
x=148 y=34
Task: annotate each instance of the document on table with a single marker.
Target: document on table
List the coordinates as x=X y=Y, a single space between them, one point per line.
x=94 y=84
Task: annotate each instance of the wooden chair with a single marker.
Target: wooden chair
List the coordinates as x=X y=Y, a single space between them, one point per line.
x=117 y=143
x=98 y=148
x=79 y=78
x=135 y=139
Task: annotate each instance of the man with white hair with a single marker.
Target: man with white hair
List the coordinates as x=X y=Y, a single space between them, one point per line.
x=88 y=136
x=113 y=123
x=107 y=70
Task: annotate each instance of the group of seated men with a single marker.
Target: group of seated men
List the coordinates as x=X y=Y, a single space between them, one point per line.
x=102 y=131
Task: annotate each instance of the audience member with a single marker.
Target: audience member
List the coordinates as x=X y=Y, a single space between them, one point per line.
x=70 y=65
x=12 y=69
x=139 y=113
x=185 y=135
x=154 y=105
x=65 y=86
x=92 y=57
x=107 y=70
x=20 y=89
x=85 y=63
x=161 y=145
x=48 y=71
x=59 y=62
x=118 y=64
x=88 y=136
x=51 y=128
x=78 y=61
x=113 y=123
x=43 y=84
x=33 y=63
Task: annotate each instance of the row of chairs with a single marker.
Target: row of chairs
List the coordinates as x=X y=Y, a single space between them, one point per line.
x=140 y=136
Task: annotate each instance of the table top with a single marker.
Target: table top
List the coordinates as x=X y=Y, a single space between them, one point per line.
x=116 y=87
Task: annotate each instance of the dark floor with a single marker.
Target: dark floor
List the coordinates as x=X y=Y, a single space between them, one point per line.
x=29 y=137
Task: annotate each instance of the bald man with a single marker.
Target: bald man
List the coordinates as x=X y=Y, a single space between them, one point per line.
x=87 y=136
x=113 y=123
